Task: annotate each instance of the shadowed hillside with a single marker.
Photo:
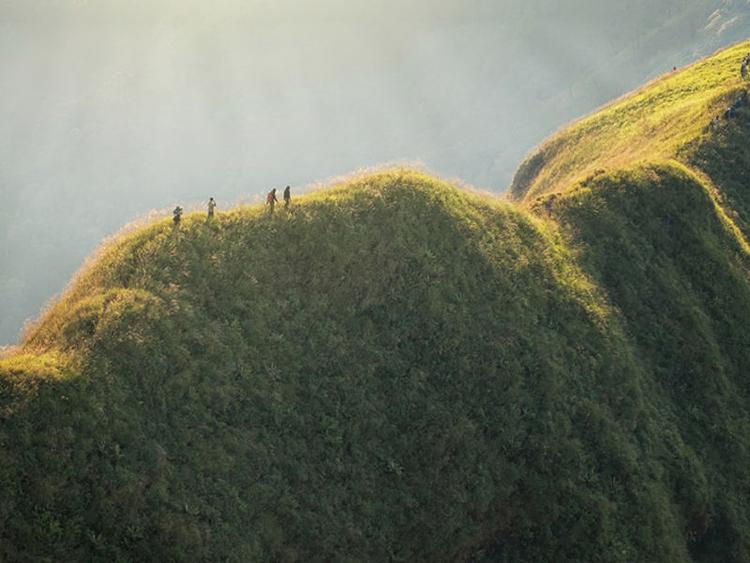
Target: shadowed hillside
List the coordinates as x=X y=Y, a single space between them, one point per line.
x=401 y=370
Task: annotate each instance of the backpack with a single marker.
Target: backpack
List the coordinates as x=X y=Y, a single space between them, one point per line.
x=269 y=198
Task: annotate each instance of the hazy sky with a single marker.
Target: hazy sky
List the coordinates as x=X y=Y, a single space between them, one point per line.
x=112 y=108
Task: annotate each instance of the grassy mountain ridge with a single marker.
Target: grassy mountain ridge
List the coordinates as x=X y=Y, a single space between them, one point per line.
x=384 y=380
x=401 y=370
x=607 y=49
x=656 y=123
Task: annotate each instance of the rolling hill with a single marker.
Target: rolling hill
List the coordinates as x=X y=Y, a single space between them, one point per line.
x=399 y=369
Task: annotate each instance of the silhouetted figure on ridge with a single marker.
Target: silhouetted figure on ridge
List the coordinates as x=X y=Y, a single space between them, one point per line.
x=287 y=197
x=271 y=199
x=211 y=207
x=177 y=215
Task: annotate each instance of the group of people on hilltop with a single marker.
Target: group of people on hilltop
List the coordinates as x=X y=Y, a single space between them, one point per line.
x=271 y=201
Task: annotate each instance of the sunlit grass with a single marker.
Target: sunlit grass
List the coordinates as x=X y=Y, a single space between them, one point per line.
x=653 y=124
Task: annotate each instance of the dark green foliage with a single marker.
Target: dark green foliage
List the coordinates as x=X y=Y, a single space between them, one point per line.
x=394 y=371
x=678 y=272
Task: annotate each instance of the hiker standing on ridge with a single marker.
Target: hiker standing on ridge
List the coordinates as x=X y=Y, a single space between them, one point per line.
x=287 y=197
x=744 y=67
x=271 y=199
x=211 y=207
x=177 y=215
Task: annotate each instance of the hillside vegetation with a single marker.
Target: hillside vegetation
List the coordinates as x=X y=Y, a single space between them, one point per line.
x=661 y=121
x=400 y=370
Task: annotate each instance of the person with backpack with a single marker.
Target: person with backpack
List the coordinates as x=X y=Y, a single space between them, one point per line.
x=177 y=215
x=211 y=207
x=287 y=197
x=271 y=199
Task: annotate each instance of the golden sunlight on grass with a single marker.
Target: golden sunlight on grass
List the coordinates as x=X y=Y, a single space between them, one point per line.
x=652 y=123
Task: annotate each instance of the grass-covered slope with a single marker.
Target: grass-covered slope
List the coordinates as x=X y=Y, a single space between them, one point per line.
x=677 y=269
x=722 y=156
x=400 y=370
x=393 y=370
x=656 y=123
x=396 y=370
x=651 y=195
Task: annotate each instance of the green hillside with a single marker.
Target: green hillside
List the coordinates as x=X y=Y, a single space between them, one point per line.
x=401 y=370
x=661 y=121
